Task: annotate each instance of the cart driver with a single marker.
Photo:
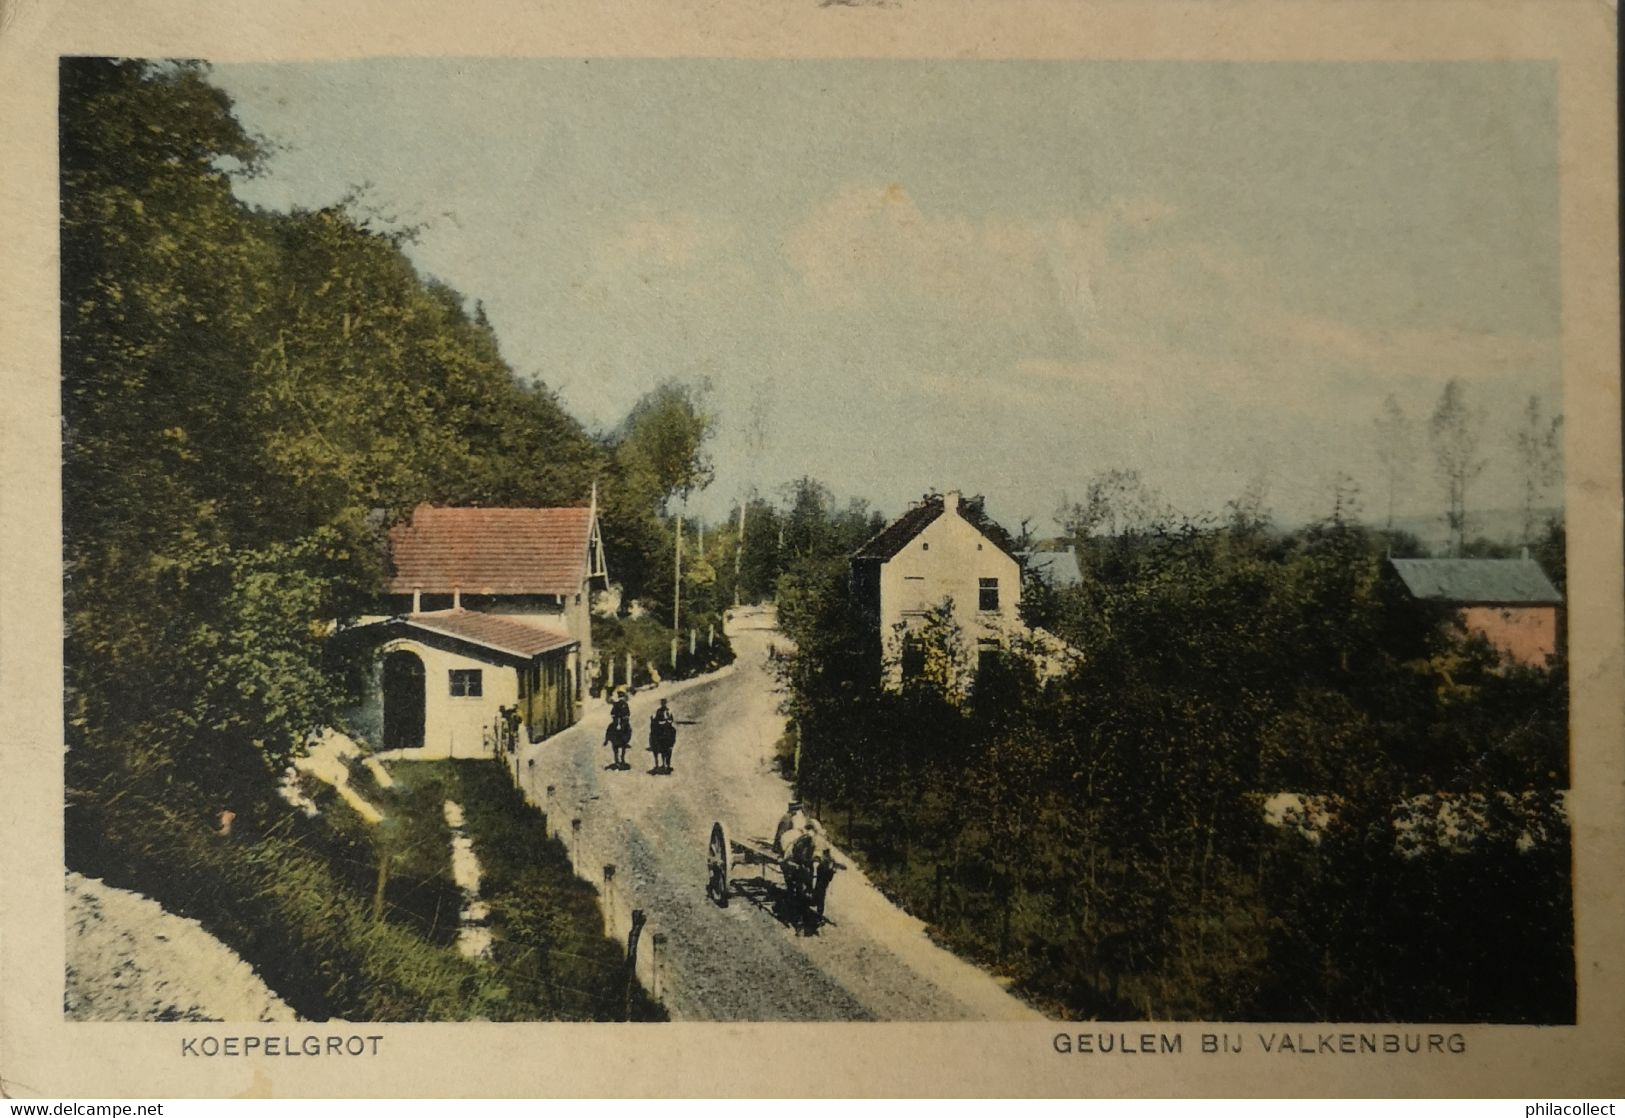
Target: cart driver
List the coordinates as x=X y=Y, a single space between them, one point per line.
x=798 y=862
x=792 y=823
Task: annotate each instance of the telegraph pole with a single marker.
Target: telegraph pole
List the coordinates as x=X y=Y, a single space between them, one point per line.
x=677 y=573
x=676 y=588
x=739 y=549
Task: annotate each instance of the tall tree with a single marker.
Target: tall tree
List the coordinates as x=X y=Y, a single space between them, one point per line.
x=1454 y=430
x=663 y=440
x=1396 y=450
x=165 y=486
x=657 y=455
x=1117 y=503
x=1117 y=510
x=1540 y=455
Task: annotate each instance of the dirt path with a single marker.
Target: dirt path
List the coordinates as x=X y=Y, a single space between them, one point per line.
x=873 y=962
x=130 y=960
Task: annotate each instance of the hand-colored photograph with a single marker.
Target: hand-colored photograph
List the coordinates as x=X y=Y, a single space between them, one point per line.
x=723 y=539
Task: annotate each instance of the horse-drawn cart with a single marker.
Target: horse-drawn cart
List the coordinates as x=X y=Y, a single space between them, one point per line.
x=805 y=866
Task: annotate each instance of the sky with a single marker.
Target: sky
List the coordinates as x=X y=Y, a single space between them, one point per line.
x=999 y=277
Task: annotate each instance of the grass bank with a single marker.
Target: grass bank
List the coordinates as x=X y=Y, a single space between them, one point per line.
x=548 y=945
x=346 y=920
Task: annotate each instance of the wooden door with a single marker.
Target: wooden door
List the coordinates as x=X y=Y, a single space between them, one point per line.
x=404 y=706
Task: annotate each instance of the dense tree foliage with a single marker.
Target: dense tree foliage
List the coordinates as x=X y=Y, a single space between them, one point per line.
x=249 y=400
x=657 y=456
x=1106 y=836
x=243 y=393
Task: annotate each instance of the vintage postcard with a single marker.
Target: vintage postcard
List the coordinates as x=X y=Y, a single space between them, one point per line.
x=828 y=548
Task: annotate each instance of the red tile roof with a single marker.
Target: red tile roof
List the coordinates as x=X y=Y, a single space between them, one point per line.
x=491 y=551
x=513 y=637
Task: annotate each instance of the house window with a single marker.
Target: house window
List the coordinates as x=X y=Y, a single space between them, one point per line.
x=925 y=547
x=987 y=593
x=467 y=683
x=913 y=664
x=987 y=654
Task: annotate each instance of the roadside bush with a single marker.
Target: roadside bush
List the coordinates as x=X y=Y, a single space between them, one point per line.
x=649 y=642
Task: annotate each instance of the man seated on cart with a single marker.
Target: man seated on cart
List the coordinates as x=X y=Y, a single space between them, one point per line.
x=791 y=823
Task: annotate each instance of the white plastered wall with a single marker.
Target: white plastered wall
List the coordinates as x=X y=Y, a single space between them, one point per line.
x=455 y=726
x=947 y=560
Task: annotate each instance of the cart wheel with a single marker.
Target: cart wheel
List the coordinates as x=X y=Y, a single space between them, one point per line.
x=716 y=885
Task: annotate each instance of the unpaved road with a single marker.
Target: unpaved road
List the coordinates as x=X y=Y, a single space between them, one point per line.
x=739 y=963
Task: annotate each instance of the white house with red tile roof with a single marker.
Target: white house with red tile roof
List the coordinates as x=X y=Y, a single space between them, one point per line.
x=488 y=612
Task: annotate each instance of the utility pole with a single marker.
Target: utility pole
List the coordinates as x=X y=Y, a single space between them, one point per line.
x=677 y=574
x=739 y=549
x=676 y=590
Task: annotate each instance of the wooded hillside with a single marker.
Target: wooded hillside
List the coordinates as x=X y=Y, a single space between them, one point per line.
x=249 y=400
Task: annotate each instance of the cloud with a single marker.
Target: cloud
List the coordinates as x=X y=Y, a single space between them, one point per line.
x=868 y=243
x=650 y=243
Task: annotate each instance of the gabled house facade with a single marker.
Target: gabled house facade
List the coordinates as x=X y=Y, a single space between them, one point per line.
x=1509 y=602
x=941 y=551
x=486 y=627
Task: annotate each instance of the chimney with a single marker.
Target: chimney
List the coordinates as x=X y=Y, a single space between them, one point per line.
x=456 y=597
x=1526 y=553
x=417 y=599
x=950 y=501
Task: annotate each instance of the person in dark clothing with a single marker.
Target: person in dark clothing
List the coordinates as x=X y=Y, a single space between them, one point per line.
x=619 y=735
x=662 y=737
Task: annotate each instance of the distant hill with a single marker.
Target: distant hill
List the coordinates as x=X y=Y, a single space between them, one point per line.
x=1502 y=526
x=1499 y=526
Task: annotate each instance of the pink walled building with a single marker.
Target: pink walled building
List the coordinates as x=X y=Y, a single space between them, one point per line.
x=1510 y=602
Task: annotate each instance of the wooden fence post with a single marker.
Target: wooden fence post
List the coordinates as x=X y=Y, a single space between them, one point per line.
x=632 y=959
x=378 y=893
x=657 y=941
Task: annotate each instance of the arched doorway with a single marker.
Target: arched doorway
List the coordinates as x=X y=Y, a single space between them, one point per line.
x=403 y=701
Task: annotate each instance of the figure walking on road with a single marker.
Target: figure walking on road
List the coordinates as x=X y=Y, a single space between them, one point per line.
x=619 y=734
x=662 y=737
